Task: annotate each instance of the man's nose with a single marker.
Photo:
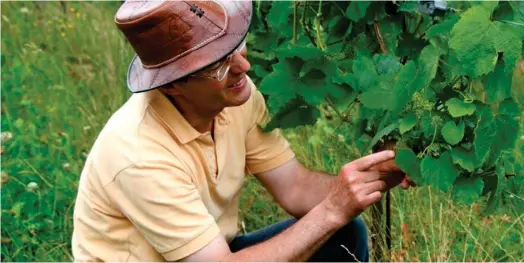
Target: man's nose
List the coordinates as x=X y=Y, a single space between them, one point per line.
x=239 y=63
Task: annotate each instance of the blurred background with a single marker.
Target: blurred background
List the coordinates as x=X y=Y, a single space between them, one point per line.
x=63 y=67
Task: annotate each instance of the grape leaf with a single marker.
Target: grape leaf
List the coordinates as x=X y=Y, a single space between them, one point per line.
x=472 y=42
x=386 y=64
x=465 y=159
x=428 y=64
x=281 y=85
x=408 y=163
x=409 y=7
x=357 y=10
x=452 y=133
x=387 y=130
x=392 y=98
x=443 y=28
x=278 y=16
x=495 y=188
x=467 y=190
x=458 y=108
x=496 y=132
x=408 y=122
x=364 y=72
x=296 y=113
x=507 y=40
x=305 y=53
x=498 y=84
x=390 y=30
x=439 y=172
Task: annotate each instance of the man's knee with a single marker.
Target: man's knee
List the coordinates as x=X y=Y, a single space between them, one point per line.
x=357 y=229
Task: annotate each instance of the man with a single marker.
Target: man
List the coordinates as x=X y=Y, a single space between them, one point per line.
x=162 y=180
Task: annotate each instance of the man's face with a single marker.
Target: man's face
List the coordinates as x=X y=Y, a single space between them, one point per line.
x=210 y=95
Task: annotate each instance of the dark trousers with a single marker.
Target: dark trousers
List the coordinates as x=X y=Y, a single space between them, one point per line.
x=353 y=236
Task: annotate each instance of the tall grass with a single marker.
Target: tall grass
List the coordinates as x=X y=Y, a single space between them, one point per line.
x=63 y=74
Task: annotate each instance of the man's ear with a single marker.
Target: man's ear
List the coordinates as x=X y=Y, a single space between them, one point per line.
x=171 y=89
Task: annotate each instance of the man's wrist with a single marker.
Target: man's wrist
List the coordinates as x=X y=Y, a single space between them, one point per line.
x=331 y=219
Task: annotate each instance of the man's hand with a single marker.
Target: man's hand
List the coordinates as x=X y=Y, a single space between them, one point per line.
x=396 y=175
x=360 y=184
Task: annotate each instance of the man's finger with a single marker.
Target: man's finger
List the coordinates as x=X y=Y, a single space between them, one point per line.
x=371 y=176
x=366 y=162
x=404 y=184
x=387 y=167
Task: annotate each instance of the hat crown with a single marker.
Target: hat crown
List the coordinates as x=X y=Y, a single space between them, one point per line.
x=161 y=32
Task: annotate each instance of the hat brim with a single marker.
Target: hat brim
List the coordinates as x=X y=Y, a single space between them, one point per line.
x=140 y=79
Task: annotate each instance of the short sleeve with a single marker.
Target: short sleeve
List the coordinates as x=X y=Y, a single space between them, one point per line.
x=264 y=151
x=163 y=203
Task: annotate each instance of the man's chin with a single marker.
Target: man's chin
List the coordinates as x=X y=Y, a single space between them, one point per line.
x=240 y=98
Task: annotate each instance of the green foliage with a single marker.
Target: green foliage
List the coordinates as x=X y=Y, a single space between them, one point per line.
x=441 y=85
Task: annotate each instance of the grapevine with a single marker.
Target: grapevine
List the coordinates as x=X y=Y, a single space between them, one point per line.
x=435 y=80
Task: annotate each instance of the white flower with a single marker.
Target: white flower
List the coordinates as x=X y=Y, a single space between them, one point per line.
x=32 y=186
x=6 y=136
x=24 y=10
x=66 y=166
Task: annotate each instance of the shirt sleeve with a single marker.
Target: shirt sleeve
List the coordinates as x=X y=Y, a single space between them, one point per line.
x=264 y=151
x=163 y=203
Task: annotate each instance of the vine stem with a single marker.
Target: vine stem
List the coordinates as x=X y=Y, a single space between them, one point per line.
x=332 y=105
x=305 y=26
x=380 y=38
x=432 y=140
x=320 y=42
x=295 y=10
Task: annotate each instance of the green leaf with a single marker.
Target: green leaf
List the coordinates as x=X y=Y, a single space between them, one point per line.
x=473 y=43
x=428 y=64
x=496 y=132
x=305 y=53
x=387 y=130
x=443 y=28
x=357 y=10
x=458 y=108
x=386 y=64
x=467 y=190
x=495 y=188
x=439 y=172
x=396 y=97
x=507 y=41
x=408 y=162
x=364 y=72
x=295 y=114
x=408 y=122
x=452 y=133
x=464 y=158
x=282 y=84
x=498 y=84
x=409 y=7
x=390 y=30
x=278 y=15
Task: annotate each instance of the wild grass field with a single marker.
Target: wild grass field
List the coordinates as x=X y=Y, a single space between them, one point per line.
x=63 y=67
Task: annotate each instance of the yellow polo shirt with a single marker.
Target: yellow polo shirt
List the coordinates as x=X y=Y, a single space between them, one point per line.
x=154 y=189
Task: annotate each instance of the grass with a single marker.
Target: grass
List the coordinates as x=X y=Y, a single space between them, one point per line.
x=63 y=68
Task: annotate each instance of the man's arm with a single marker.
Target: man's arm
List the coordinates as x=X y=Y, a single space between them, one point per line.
x=313 y=230
x=355 y=188
x=296 y=188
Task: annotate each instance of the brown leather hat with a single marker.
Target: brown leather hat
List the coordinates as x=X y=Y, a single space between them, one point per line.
x=173 y=39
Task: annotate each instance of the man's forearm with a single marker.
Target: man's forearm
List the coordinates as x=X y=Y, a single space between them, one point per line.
x=297 y=243
x=314 y=187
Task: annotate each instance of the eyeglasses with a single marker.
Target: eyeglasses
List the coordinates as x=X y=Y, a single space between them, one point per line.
x=218 y=71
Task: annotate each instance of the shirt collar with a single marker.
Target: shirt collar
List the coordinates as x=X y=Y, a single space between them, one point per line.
x=176 y=122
